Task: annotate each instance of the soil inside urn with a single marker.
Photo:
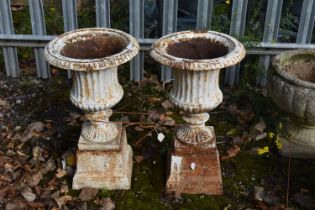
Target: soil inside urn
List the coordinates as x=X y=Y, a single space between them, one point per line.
x=93 y=47
x=197 y=48
x=303 y=69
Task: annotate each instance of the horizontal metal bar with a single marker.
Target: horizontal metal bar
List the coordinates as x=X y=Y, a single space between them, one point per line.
x=263 y=48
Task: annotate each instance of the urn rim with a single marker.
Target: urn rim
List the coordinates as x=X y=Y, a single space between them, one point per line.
x=54 y=56
x=236 y=51
x=278 y=65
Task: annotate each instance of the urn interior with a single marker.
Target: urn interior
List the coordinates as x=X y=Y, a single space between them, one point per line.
x=197 y=48
x=89 y=46
x=300 y=66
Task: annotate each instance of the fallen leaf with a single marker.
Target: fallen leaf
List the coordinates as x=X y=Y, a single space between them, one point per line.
x=3 y=102
x=166 y=104
x=139 y=129
x=32 y=130
x=139 y=158
x=61 y=173
x=260 y=126
x=161 y=137
x=88 y=194
x=259 y=193
x=166 y=120
x=232 y=152
x=107 y=204
x=63 y=200
x=33 y=180
x=232 y=132
x=261 y=136
x=28 y=194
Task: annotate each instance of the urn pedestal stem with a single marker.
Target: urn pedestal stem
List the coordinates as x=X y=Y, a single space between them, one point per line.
x=104 y=159
x=196 y=58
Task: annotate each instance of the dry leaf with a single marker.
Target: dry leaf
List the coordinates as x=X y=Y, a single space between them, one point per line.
x=28 y=194
x=260 y=126
x=88 y=194
x=167 y=104
x=139 y=158
x=107 y=204
x=61 y=173
x=32 y=130
x=232 y=152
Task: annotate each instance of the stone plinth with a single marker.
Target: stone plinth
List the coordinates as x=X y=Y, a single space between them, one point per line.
x=194 y=170
x=101 y=167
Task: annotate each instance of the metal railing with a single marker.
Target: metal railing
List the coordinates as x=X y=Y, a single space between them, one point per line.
x=266 y=48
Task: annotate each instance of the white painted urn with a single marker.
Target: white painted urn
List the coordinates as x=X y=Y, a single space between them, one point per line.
x=291 y=85
x=196 y=58
x=104 y=159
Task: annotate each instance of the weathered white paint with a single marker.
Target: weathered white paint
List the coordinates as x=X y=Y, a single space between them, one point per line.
x=104 y=159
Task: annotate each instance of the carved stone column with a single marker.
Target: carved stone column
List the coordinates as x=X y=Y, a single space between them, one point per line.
x=104 y=159
x=196 y=58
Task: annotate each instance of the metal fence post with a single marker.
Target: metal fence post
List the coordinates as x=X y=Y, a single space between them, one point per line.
x=169 y=26
x=204 y=14
x=272 y=22
x=306 y=25
x=6 y=27
x=102 y=13
x=70 y=18
x=239 y=9
x=38 y=28
x=136 y=25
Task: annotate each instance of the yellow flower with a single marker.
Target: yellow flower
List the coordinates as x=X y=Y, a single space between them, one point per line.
x=278 y=143
x=228 y=1
x=263 y=150
x=271 y=135
x=280 y=126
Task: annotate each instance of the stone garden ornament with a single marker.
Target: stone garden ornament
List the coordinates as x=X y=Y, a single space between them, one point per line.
x=196 y=58
x=291 y=85
x=104 y=159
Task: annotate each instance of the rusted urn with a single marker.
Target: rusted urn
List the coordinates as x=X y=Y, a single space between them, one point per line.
x=291 y=85
x=196 y=58
x=93 y=54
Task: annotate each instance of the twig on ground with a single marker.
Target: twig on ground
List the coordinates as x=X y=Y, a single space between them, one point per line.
x=143 y=137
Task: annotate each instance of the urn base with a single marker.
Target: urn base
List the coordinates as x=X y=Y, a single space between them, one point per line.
x=298 y=141
x=194 y=170
x=109 y=168
x=293 y=150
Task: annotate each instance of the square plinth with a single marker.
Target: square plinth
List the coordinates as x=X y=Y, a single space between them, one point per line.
x=109 y=169
x=194 y=170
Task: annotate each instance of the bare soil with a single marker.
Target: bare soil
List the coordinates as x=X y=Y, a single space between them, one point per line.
x=94 y=47
x=198 y=48
x=303 y=70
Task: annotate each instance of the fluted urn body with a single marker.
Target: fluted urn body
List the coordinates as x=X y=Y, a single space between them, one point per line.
x=291 y=85
x=93 y=55
x=196 y=58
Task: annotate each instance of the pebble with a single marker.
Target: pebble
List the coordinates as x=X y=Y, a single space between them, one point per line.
x=17 y=128
x=18 y=101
